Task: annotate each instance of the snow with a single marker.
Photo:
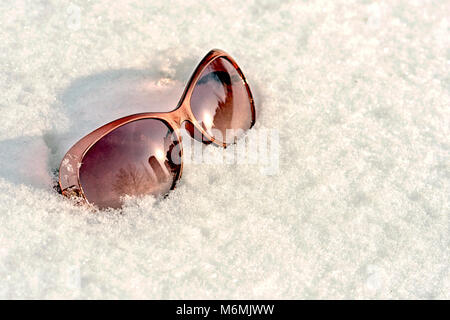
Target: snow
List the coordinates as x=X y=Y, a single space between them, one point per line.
x=358 y=92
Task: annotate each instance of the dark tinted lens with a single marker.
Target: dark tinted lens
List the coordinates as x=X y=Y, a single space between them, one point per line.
x=138 y=158
x=220 y=101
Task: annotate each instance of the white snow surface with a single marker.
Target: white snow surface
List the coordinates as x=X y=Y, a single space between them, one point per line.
x=358 y=90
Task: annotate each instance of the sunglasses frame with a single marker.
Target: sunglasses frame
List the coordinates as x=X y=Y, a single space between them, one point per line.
x=69 y=173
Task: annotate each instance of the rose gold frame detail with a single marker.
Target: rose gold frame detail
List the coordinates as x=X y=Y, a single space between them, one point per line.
x=69 y=178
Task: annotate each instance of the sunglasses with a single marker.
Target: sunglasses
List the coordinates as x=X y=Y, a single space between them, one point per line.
x=141 y=154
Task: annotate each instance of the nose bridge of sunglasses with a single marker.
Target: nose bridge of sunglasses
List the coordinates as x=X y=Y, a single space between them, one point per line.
x=182 y=119
x=179 y=115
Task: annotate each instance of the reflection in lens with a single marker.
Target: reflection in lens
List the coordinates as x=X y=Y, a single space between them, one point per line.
x=135 y=159
x=220 y=101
